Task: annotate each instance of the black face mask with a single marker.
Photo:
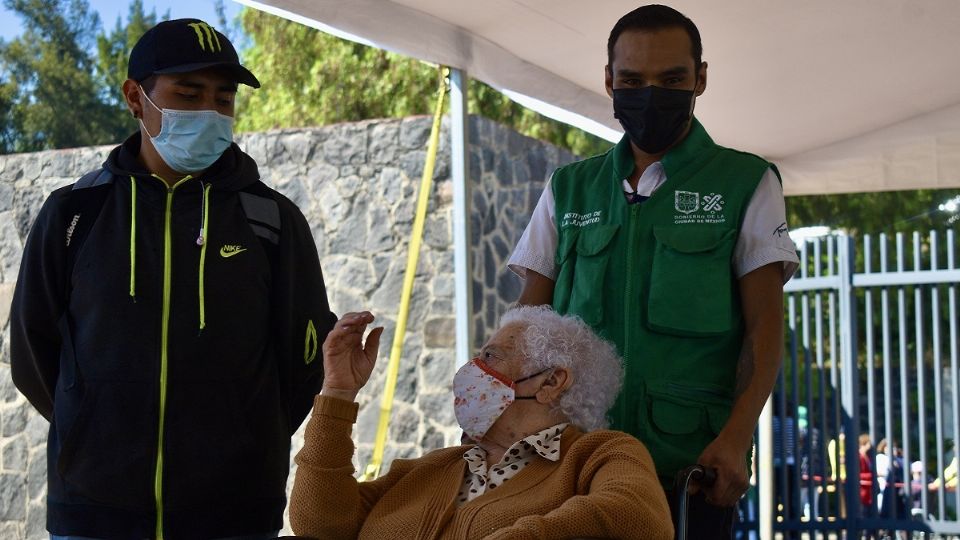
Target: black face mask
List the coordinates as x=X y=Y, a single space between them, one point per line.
x=653 y=117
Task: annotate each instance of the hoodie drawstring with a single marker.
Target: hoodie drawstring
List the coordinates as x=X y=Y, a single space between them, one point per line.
x=202 y=242
x=133 y=239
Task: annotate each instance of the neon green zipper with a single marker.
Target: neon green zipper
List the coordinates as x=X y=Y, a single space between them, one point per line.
x=164 y=333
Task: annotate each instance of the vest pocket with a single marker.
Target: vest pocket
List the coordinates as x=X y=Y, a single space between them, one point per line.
x=691 y=289
x=583 y=271
x=682 y=420
x=565 y=264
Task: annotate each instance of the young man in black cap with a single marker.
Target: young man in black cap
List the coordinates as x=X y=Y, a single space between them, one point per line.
x=168 y=316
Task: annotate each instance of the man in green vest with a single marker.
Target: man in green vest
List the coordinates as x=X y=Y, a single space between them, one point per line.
x=676 y=249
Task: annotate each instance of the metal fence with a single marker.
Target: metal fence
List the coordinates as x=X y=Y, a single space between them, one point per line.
x=873 y=355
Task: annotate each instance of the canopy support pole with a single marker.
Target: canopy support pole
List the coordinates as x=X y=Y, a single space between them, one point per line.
x=463 y=268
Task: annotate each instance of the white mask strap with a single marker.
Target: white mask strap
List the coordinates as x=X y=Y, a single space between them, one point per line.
x=150 y=101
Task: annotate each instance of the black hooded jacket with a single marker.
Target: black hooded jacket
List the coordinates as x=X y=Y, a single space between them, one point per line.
x=172 y=338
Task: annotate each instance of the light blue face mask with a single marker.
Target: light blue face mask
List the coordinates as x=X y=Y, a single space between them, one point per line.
x=190 y=141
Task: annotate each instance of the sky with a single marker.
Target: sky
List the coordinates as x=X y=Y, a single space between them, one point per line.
x=109 y=10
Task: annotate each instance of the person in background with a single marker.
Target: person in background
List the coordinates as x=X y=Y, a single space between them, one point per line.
x=947 y=481
x=534 y=401
x=882 y=467
x=837 y=455
x=866 y=473
x=814 y=467
x=943 y=485
x=785 y=461
x=918 y=483
x=890 y=480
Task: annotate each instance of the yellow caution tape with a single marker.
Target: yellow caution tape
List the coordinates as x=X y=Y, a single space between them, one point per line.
x=393 y=367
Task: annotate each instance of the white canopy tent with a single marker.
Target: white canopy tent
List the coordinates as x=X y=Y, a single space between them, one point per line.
x=851 y=96
x=845 y=96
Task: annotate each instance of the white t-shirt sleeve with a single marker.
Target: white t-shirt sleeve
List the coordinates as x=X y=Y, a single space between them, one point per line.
x=764 y=237
x=537 y=248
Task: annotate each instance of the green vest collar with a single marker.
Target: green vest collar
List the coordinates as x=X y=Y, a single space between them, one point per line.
x=622 y=154
x=697 y=146
x=692 y=148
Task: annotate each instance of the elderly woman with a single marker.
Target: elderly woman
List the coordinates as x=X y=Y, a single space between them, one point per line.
x=534 y=402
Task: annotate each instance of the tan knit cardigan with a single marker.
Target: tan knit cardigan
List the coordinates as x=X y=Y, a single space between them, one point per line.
x=603 y=486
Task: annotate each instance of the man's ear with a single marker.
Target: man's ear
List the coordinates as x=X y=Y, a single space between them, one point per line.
x=556 y=384
x=608 y=80
x=131 y=94
x=701 y=79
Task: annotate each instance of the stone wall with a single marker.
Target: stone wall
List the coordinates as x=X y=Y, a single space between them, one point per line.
x=356 y=184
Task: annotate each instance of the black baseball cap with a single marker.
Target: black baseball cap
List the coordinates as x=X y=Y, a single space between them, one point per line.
x=184 y=45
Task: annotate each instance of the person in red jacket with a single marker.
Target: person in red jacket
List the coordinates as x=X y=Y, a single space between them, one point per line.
x=866 y=473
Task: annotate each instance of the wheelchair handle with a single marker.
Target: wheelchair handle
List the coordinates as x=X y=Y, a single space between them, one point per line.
x=705 y=476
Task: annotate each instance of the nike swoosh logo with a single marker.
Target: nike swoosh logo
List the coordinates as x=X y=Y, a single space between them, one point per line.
x=226 y=254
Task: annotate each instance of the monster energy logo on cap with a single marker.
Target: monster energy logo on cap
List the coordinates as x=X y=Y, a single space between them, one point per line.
x=205 y=31
x=182 y=46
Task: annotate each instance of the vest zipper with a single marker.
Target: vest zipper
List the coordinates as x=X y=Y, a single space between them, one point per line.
x=164 y=333
x=630 y=309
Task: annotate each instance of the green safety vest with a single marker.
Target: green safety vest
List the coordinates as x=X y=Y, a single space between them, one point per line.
x=656 y=280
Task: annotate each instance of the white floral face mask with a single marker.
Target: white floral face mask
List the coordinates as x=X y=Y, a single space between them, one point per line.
x=481 y=394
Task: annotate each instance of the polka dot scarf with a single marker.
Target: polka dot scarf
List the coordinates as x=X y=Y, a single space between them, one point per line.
x=477 y=478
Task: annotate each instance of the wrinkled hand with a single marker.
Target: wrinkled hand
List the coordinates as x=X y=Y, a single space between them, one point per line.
x=729 y=460
x=347 y=360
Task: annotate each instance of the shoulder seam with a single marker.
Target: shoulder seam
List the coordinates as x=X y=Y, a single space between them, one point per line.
x=95 y=178
x=749 y=154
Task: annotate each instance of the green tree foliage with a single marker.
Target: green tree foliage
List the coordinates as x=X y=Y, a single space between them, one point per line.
x=311 y=78
x=55 y=99
x=7 y=94
x=886 y=211
x=113 y=52
x=490 y=103
x=55 y=91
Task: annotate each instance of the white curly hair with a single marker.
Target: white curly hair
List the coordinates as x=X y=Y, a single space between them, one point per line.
x=553 y=340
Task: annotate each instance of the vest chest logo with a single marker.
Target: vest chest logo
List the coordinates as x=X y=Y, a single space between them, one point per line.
x=713 y=202
x=690 y=210
x=686 y=202
x=573 y=219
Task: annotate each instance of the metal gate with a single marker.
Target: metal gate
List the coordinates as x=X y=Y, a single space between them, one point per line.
x=872 y=340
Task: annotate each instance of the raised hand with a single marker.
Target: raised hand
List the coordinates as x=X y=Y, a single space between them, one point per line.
x=347 y=360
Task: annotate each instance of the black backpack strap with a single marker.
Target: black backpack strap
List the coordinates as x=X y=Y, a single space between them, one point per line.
x=95 y=178
x=263 y=214
x=81 y=207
